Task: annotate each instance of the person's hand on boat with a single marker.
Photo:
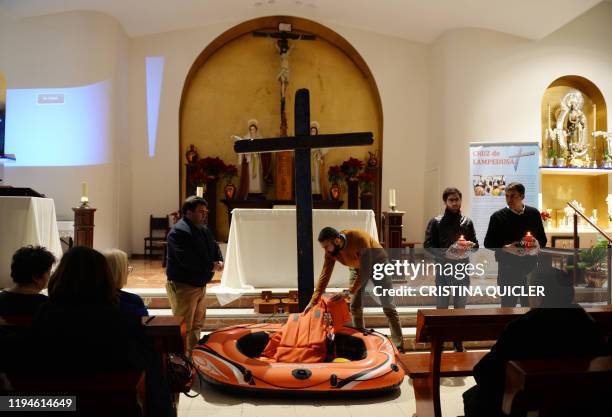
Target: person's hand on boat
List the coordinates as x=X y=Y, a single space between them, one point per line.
x=339 y=296
x=308 y=307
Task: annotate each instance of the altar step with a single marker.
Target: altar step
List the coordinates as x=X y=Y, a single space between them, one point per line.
x=374 y=318
x=157 y=298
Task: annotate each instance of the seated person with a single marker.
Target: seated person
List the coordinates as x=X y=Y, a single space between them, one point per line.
x=118 y=264
x=30 y=270
x=81 y=330
x=554 y=327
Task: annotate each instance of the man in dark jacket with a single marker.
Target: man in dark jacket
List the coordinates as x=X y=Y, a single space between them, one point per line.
x=442 y=232
x=193 y=258
x=506 y=234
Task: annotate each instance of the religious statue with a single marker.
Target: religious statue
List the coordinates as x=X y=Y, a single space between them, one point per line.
x=570 y=131
x=317 y=161
x=251 y=167
x=191 y=155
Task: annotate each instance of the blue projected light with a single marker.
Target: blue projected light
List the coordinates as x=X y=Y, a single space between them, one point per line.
x=59 y=126
x=155 y=73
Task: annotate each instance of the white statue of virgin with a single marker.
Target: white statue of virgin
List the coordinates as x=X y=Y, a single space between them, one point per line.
x=255 y=169
x=318 y=160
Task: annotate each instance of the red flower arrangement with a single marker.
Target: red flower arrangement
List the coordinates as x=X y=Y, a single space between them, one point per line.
x=334 y=174
x=207 y=169
x=366 y=181
x=351 y=168
x=229 y=172
x=544 y=215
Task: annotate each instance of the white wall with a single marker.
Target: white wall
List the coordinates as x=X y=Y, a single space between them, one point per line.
x=469 y=85
x=70 y=50
x=488 y=86
x=400 y=70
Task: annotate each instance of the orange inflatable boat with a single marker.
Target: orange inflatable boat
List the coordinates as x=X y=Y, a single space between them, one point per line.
x=231 y=357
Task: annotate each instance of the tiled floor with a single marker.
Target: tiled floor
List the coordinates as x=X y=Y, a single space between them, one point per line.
x=399 y=404
x=148 y=273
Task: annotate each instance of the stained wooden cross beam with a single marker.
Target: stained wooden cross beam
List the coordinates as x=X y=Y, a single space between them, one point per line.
x=302 y=143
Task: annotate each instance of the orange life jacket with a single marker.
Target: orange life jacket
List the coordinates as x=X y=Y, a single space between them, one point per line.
x=303 y=339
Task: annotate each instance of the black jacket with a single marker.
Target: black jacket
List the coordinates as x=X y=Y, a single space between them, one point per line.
x=192 y=250
x=444 y=230
x=505 y=227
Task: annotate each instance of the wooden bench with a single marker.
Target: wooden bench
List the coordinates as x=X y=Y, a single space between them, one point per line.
x=127 y=389
x=438 y=326
x=548 y=387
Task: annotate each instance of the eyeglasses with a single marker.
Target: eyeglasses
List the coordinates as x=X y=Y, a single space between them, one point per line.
x=130 y=269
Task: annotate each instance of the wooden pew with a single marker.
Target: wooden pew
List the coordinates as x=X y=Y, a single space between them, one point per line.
x=560 y=386
x=438 y=326
x=127 y=389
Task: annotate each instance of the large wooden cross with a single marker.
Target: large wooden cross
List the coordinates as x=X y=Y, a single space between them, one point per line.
x=301 y=144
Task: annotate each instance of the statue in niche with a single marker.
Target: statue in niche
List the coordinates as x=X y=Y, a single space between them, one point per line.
x=317 y=162
x=251 y=168
x=570 y=131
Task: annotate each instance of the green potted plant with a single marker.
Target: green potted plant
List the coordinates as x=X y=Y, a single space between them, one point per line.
x=366 y=184
x=594 y=262
x=550 y=157
x=607 y=162
x=562 y=157
x=351 y=168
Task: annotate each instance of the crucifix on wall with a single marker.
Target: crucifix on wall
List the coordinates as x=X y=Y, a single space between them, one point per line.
x=283 y=172
x=302 y=144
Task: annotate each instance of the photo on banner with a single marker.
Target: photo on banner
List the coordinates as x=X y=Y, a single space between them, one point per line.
x=493 y=166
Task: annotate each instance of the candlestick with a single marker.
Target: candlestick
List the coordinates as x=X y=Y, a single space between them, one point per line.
x=392 y=199
x=84 y=198
x=594 y=117
x=528 y=239
x=200 y=192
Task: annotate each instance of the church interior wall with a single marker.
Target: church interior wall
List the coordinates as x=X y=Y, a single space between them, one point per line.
x=399 y=80
x=488 y=87
x=74 y=54
x=468 y=85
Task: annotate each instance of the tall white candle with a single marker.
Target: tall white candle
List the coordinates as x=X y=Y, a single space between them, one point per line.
x=84 y=192
x=392 y=197
x=594 y=117
x=200 y=191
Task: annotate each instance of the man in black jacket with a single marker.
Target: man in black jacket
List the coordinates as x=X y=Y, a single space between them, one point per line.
x=444 y=231
x=506 y=235
x=193 y=258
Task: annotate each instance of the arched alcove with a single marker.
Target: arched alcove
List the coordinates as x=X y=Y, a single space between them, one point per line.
x=592 y=96
x=234 y=80
x=588 y=186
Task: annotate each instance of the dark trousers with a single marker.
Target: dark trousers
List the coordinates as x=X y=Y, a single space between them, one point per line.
x=513 y=274
x=387 y=304
x=443 y=301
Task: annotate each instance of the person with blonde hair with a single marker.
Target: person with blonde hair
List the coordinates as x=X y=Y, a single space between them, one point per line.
x=118 y=264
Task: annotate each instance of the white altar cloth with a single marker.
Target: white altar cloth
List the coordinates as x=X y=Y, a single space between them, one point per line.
x=26 y=221
x=261 y=249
